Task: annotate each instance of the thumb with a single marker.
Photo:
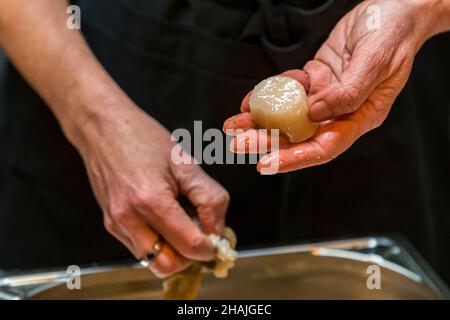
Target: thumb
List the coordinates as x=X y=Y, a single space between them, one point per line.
x=360 y=77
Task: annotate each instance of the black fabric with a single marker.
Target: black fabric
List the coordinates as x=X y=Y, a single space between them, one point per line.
x=3 y=64
x=208 y=55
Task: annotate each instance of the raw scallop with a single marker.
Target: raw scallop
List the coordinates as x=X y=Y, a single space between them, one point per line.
x=281 y=103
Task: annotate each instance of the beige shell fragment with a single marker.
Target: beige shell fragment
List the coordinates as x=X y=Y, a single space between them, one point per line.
x=185 y=285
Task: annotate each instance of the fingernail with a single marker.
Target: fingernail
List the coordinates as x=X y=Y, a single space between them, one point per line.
x=269 y=164
x=239 y=144
x=229 y=123
x=320 y=111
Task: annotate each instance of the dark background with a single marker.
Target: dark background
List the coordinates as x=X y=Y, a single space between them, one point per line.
x=412 y=145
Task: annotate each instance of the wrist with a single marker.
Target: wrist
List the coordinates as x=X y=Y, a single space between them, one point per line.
x=91 y=111
x=433 y=16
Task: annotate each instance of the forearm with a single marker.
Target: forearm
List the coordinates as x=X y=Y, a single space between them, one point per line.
x=57 y=62
x=435 y=15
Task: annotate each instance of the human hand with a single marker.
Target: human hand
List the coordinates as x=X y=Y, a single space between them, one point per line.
x=352 y=83
x=128 y=159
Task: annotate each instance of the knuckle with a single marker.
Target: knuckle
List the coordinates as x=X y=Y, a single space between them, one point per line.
x=144 y=199
x=330 y=157
x=121 y=216
x=375 y=115
x=349 y=101
x=109 y=225
x=376 y=123
x=221 y=198
x=192 y=246
x=162 y=268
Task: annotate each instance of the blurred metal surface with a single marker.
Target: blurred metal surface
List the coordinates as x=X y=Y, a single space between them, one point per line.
x=330 y=270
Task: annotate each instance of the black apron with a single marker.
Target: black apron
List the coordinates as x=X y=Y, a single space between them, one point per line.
x=210 y=54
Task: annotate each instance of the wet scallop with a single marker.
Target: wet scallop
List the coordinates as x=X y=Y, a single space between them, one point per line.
x=281 y=103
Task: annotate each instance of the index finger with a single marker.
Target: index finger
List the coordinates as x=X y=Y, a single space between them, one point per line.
x=170 y=220
x=139 y=238
x=242 y=121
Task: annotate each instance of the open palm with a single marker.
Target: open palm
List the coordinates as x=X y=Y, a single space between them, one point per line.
x=352 y=83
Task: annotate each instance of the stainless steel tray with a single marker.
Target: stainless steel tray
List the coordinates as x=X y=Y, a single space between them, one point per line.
x=329 y=270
